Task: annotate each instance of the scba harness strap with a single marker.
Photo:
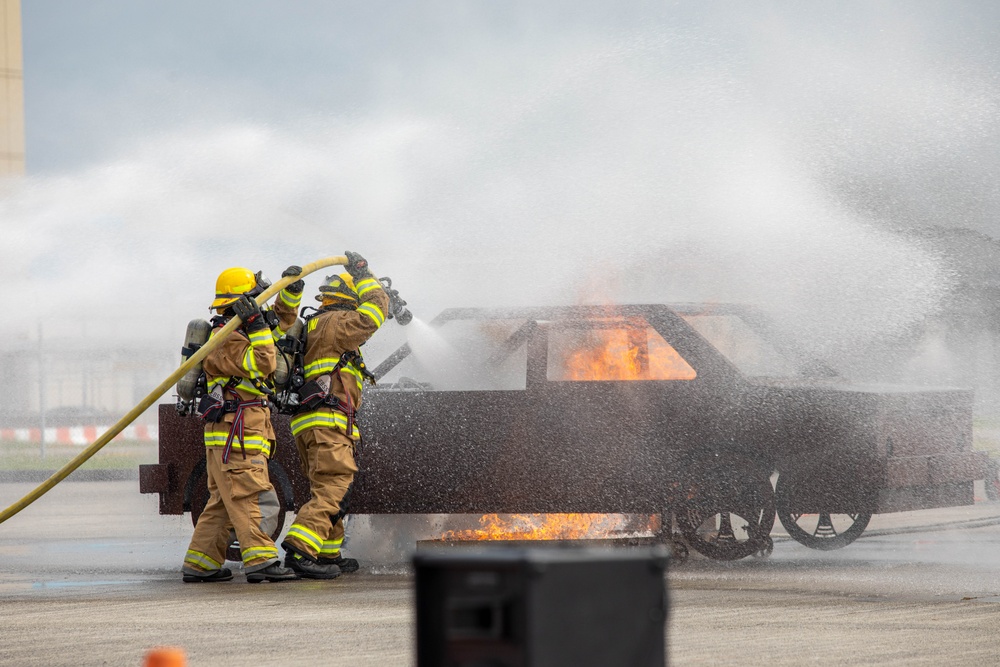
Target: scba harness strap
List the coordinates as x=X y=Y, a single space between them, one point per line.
x=296 y=394
x=316 y=393
x=236 y=428
x=213 y=407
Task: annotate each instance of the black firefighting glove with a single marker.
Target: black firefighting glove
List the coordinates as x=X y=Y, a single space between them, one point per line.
x=357 y=266
x=297 y=286
x=247 y=310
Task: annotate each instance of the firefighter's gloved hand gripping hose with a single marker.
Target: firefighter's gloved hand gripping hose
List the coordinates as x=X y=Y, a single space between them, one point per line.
x=161 y=389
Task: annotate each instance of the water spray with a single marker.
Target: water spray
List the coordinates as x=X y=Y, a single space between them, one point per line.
x=162 y=388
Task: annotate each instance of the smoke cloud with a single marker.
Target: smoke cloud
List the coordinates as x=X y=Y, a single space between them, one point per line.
x=763 y=157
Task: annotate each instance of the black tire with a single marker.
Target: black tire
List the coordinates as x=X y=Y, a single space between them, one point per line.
x=728 y=511
x=824 y=531
x=196 y=497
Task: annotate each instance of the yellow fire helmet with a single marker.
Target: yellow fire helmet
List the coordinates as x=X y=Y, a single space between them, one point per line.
x=232 y=284
x=337 y=289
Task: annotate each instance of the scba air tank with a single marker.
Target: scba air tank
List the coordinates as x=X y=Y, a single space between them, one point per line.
x=288 y=346
x=196 y=335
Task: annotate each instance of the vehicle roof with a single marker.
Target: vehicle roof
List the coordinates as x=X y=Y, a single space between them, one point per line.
x=591 y=311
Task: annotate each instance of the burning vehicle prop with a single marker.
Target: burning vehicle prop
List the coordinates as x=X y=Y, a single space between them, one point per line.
x=681 y=411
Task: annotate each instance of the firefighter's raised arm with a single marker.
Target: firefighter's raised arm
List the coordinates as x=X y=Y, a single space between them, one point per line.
x=286 y=306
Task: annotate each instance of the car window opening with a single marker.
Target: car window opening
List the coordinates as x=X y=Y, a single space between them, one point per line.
x=465 y=355
x=742 y=346
x=619 y=350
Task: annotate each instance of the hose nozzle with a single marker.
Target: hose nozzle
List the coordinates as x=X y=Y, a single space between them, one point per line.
x=397 y=306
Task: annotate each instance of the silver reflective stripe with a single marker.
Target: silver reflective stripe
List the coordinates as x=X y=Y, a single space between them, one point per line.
x=201 y=560
x=367 y=285
x=322 y=419
x=372 y=311
x=302 y=533
x=331 y=547
x=253 y=553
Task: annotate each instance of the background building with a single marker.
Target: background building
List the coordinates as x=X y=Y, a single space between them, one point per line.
x=85 y=382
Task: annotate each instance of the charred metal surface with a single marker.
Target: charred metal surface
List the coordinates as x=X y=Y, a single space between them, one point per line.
x=634 y=446
x=154 y=478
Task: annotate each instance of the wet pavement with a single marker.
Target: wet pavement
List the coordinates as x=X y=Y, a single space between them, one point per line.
x=89 y=575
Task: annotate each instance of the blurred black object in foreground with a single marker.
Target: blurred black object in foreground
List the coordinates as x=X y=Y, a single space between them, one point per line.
x=571 y=607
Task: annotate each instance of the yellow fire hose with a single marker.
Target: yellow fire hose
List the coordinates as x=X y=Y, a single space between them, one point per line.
x=161 y=389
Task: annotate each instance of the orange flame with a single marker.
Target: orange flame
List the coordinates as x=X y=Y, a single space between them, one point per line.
x=550 y=527
x=632 y=352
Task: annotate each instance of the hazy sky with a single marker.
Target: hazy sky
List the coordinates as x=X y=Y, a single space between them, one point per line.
x=513 y=152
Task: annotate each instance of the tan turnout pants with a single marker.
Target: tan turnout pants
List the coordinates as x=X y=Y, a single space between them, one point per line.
x=241 y=499
x=327 y=457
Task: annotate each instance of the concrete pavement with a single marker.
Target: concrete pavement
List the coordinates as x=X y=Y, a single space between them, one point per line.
x=89 y=575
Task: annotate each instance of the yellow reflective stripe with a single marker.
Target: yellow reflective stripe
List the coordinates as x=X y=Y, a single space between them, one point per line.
x=218 y=439
x=262 y=337
x=327 y=364
x=257 y=339
x=323 y=419
x=309 y=537
x=243 y=385
x=313 y=321
x=250 y=450
x=331 y=547
x=320 y=366
x=247 y=386
x=250 y=364
x=253 y=553
x=289 y=299
x=201 y=560
x=313 y=419
x=252 y=444
x=367 y=285
x=350 y=368
x=372 y=311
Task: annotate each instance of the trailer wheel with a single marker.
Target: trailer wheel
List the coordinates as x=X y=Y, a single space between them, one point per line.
x=825 y=531
x=196 y=495
x=729 y=509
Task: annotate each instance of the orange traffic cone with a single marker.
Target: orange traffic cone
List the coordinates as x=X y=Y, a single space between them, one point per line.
x=166 y=656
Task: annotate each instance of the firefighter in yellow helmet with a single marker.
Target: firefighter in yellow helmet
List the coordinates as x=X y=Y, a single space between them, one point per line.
x=239 y=436
x=354 y=306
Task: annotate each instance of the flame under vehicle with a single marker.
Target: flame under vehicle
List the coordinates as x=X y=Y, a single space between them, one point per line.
x=686 y=411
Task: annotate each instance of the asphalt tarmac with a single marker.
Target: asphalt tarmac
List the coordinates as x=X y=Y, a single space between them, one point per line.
x=89 y=575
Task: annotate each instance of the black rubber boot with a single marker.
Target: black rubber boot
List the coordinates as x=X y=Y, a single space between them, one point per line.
x=346 y=565
x=310 y=569
x=225 y=574
x=273 y=572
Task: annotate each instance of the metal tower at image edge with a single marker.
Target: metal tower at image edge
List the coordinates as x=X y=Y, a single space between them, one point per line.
x=11 y=90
